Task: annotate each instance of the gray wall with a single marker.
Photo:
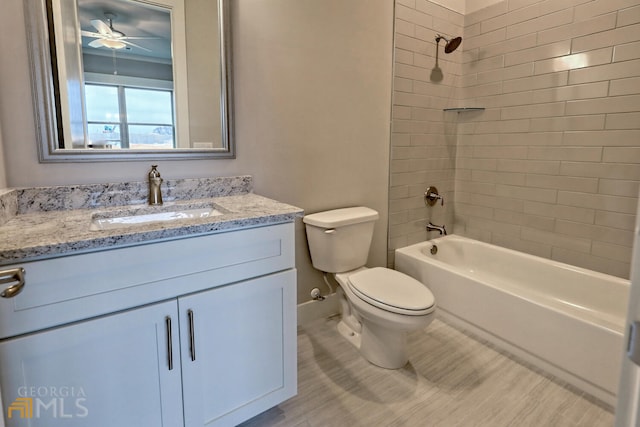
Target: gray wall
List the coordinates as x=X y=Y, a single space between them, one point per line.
x=312 y=100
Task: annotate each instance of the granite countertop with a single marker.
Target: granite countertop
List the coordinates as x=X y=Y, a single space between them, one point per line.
x=56 y=221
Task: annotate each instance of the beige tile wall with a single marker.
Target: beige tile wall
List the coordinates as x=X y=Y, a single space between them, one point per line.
x=551 y=166
x=423 y=140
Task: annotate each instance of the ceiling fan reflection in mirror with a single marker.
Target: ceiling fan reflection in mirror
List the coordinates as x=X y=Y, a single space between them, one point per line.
x=109 y=37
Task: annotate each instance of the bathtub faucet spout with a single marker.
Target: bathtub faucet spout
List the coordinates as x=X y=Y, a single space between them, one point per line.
x=439 y=228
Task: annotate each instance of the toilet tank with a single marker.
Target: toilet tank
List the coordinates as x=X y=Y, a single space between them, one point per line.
x=339 y=239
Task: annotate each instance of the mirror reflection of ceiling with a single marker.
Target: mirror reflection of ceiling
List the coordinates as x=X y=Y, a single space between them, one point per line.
x=147 y=27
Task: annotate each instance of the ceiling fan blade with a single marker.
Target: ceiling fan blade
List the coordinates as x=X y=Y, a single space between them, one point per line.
x=139 y=38
x=90 y=34
x=135 y=45
x=101 y=27
x=96 y=43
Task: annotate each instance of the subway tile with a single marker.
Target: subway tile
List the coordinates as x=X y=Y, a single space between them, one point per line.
x=548 y=6
x=503 y=47
x=531 y=111
x=568 y=123
x=498 y=177
x=616 y=220
x=578 y=28
x=599 y=7
x=536 y=82
x=474 y=210
x=493 y=24
x=608 y=38
x=623 y=154
x=517 y=71
x=400 y=139
x=503 y=126
x=629 y=16
x=625 y=86
x=582 y=154
x=612 y=104
x=554 y=49
x=526 y=193
x=627 y=171
x=481 y=65
x=540 y=23
x=584 y=215
x=590 y=262
x=507 y=217
x=404 y=27
x=531 y=138
x=603 y=137
x=517 y=244
x=616 y=187
x=556 y=240
x=518 y=4
x=519 y=152
x=600 y=201
x=616 y=70
x=611 y=251
x=548 y=167
x=403 y=56
x=414 y=16
x=435 y=10
x=574 y=62
x=594 y=232
x=569 y=183
x=402 y=85
x=566 y=93
x=524 y=13
x=626 y=52
x=411 y=44
x=401 y=112
x=485 y=39
x=623 y=121
x=485 y=13
x=409 y=3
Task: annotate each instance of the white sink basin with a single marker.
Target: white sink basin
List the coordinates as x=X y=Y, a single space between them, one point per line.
x=131 y=218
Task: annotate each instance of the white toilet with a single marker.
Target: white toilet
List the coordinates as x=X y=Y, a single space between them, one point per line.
x=379 y=305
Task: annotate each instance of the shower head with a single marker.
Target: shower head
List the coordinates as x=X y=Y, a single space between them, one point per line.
x=451 y=44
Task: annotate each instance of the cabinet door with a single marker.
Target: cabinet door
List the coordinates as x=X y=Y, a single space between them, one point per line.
x=109 y=371
x=243 y=357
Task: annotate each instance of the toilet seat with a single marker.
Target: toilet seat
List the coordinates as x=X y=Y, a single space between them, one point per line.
x=392 y=291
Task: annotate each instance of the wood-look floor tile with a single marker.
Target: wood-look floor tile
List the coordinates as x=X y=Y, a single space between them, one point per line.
x=452 y=379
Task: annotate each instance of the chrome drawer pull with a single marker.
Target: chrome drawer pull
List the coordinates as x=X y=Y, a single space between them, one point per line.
x=10 y=276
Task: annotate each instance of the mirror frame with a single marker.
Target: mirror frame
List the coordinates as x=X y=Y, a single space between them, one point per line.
x=43 y=87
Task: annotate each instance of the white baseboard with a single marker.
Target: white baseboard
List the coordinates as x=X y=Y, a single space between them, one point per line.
x=316 y=309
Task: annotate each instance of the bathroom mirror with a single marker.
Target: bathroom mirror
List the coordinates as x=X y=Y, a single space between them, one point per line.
x=131 y=79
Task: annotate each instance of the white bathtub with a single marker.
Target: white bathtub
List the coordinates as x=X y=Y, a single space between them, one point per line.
x=565 y=320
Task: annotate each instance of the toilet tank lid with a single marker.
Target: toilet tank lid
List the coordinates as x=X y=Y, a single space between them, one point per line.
x=341 y=217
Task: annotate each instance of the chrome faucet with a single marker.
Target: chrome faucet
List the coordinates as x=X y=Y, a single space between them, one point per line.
x=155 y=192
x=441 y=229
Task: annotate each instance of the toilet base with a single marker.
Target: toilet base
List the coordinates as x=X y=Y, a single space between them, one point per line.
x=382 y=347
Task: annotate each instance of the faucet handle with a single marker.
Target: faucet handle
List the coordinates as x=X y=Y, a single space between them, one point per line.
x=431 y=196
x=154 y=172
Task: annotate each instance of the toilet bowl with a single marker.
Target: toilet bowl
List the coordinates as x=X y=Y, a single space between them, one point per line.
x=378 y=305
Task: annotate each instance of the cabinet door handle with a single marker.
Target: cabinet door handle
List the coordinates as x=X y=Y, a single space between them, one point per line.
x=167 y=321
x=192 y=335
x=10 y=276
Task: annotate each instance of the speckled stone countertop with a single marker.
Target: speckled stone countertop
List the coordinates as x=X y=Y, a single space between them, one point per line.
x=40 y=223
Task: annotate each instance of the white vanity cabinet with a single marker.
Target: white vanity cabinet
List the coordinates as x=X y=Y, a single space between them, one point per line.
x=205 y=335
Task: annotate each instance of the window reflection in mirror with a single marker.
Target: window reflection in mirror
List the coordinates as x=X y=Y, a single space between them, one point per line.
x=131 y=76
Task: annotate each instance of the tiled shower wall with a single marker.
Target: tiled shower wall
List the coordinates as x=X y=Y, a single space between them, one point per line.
x=551 y=166
x=423 y=139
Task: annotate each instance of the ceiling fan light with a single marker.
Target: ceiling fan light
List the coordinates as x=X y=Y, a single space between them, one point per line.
x=113 y=44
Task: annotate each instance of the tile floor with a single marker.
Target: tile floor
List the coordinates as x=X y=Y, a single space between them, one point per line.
x=452 y=379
